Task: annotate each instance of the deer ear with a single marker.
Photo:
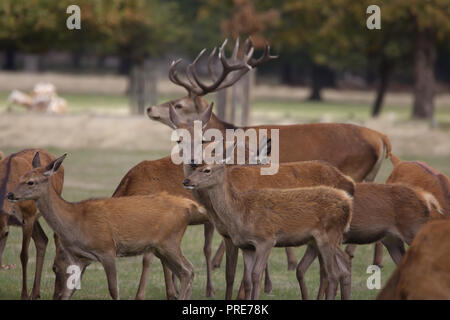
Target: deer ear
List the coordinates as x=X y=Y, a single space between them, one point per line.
x=36 y=161
x=53 y=166
x=206 y=115
x=174 y=117
x=265 y=148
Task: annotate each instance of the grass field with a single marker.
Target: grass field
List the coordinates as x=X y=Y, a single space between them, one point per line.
x=91 y=173
x=96 y=173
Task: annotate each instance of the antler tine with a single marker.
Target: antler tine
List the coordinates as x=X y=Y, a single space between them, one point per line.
x=235 y=50
x=173 y=76
x=211 y=70
x=265 y=57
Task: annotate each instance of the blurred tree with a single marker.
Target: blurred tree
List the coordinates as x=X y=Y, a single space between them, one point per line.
x=26 y=26
x=245 y=21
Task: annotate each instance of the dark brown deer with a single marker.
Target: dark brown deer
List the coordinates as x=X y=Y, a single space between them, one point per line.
x=423 y=273
x=389 y=213
x=11 y=169
x=357 y=151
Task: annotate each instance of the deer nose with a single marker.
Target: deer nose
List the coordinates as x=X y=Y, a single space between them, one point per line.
x=149 y=108
x=186 y=182
x=10 y=196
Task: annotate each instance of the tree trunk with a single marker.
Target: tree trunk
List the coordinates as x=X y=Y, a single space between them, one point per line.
x=10 y=60
x=385 y=71
x=142 y=87
x=221 y=103
x=316 y=84
x=424 y=58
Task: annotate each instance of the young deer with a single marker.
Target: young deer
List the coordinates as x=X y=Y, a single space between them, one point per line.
x=420 y=174
x=392 y=214
x=258 y=220
x=11 y=169
x=423 y=273
x=150 y=177
x=101 y=229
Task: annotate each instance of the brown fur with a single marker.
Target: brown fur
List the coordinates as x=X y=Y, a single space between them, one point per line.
x=392 y=214
x=420 y=174
x=101 y=229
x=355 y=150
x=424 y=271
x=257 y=220
x=11 y=169
x=150 y=177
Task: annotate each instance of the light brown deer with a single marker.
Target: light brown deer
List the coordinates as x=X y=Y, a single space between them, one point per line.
x=150 y=177
x=356 y=151
x=101 y=229
x=11 y=169
x=258 y=220
x=424 y=272
x=420 y=174
x=390 y=213
x=289 y=175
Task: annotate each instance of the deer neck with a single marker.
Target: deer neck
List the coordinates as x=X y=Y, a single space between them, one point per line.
x=228 y=205
x=58 y=214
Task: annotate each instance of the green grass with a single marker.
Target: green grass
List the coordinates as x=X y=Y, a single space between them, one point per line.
x=94 y=173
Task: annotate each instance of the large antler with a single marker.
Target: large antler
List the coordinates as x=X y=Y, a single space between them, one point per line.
x=232 y=69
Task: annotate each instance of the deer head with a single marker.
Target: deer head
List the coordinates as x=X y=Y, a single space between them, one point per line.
x=190 y=106
x=36 y=182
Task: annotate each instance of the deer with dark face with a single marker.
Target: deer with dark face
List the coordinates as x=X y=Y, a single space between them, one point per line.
x=101 y=229
x=355 y=150
x=24 y=214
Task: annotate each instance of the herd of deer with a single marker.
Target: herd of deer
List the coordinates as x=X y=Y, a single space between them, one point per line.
x=317 y=198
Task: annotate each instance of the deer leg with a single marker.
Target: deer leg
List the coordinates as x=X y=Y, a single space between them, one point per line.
x=262 y=253
x=332 y=273
x=180 y=266
x=268 y=281
x=249 y=260
x=291 y=259
x=40 y=241
x=171 y=291
x=267 y=285
x=230 y=268
x=345 y=278
x=2 y=248
x=27 y=231
x=218 y=256
x=378 y=254
x=308 y=258
x=395 y=247
x=323 y=280
x=109 y=264
x=146 y=262
x=209 y=233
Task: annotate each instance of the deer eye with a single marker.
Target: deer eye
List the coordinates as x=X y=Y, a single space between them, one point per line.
x=207 y=171
x=30 y=183
x=178 y=106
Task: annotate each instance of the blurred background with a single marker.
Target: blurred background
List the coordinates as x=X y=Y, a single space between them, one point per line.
x=84 y=91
